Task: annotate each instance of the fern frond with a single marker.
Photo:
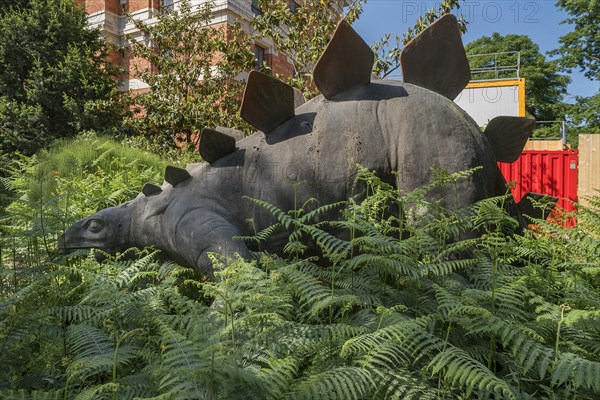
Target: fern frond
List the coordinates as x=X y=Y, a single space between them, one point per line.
x=392 y=265
x=71 y=314
x=339 y=383
x=135 y=386
x=387 y=356
x=512 y=300
x=457 y=368
x=451 y=305
x=527 y=351
x=383 y=244
x=581 y=373
x=400 y=384
x=130 y=274
x=178 y=351
x=99 y=392
x=343 y=302
x=89 y=341
x=86 y=367
x=282 y=217
x=262 y=236
x=398 y=331
x=308 y=288
x=31 y=395
x=331 y=245
x=279 y=375
x=324 y=209
x=443 y=268
x=305 y=334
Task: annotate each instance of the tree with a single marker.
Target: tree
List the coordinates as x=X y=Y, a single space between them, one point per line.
x=583 y=117
x=585 y=112
x=581 y=47
x=302 y=32
x=387 y=57
x=8 y=5
x=54 y=79
x=544 y=86
x=191 y=69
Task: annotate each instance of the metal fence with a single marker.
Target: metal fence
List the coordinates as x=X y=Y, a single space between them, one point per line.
x=501 y=65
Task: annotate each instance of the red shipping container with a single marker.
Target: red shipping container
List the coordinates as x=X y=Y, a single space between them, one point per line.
x=546 y=172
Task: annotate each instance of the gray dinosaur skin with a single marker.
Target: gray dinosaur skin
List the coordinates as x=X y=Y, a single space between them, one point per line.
x=384 y=126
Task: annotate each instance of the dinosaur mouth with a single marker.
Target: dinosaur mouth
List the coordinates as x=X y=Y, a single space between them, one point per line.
x=65 y=246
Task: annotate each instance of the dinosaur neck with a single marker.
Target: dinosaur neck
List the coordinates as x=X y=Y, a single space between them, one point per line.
x=143 y=225
x=123 y=238
x=153 y=222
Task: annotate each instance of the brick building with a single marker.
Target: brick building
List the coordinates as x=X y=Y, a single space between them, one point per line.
x=109 y=17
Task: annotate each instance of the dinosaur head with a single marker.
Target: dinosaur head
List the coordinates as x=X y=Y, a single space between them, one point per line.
x=106 y=230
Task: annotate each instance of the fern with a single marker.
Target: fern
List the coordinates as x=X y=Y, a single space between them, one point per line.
x=460 y=369
x=279 y=375
x=342 y=382
x=30 y=395
x=447 y=267
x=581 y=373
x=401 y=384
x=403 y=301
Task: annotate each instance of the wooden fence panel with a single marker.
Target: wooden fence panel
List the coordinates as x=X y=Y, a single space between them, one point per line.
x=589 y=166
x=555 y=145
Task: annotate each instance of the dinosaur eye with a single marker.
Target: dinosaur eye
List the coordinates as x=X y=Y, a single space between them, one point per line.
x=95 y=226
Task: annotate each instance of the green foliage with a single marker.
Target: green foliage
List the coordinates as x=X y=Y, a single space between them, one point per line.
x=95 y=172
x=584 y=114
x=401 y=311
x=54 y=81
x=20 y=127
x=580 y=48
x=8 y=6
x=406 y=303
x=195 y=87
x=387 y=57
x=98 y=330
x=303 y=34
x=553 y=130
x=544 y=86
x=55 y=188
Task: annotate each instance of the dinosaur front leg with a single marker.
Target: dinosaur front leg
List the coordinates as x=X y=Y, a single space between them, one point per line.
x=202 y=232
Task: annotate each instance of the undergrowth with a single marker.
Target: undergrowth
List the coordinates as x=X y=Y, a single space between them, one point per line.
x=406 y=304
x=54 y=188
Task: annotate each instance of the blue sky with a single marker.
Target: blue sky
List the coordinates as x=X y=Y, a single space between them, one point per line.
x=538 y=19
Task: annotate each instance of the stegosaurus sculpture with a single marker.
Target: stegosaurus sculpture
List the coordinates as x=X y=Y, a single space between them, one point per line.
x=383 y=125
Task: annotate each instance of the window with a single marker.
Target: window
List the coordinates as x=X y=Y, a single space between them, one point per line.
x=259 y=56
x=166 y=6
x=255 y=8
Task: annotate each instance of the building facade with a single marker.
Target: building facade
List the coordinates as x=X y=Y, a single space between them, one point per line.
x=109 y=16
